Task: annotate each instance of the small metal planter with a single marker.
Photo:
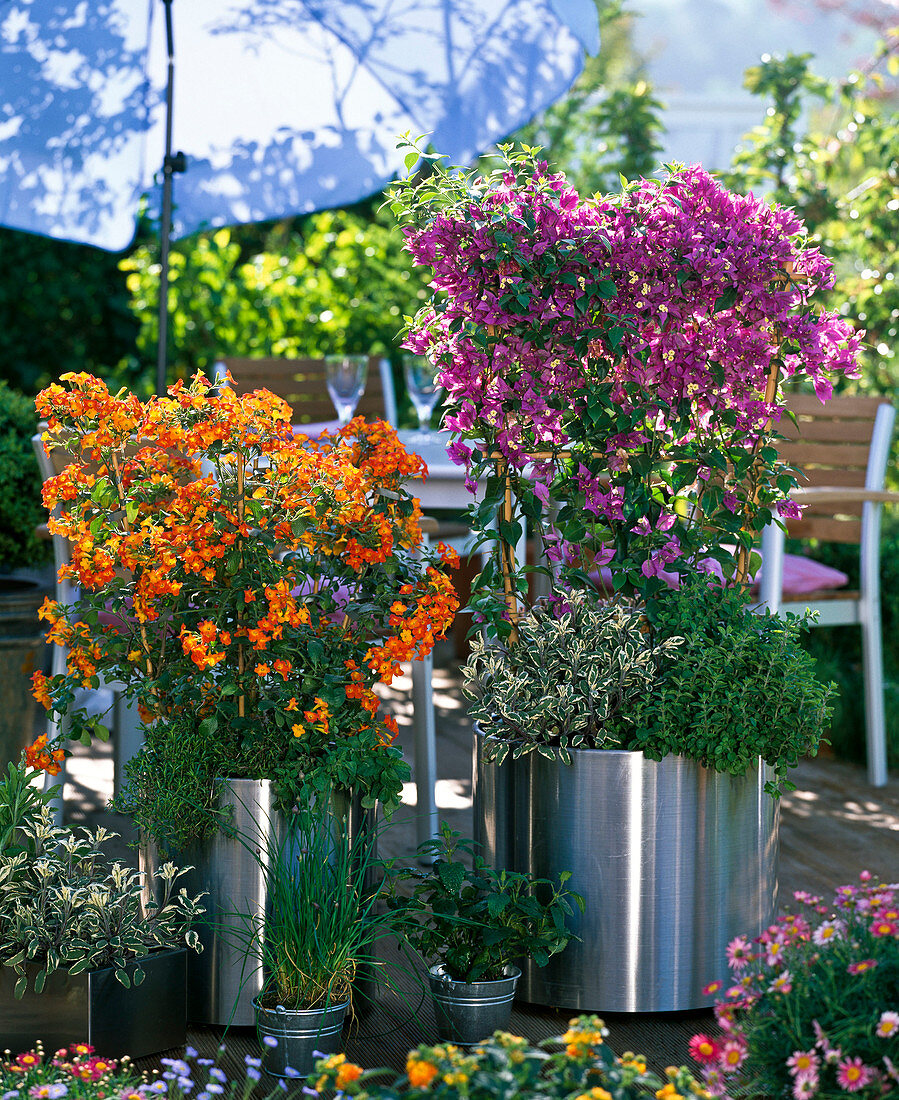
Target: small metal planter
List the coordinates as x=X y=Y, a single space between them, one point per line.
x=469 y=1012
x=95 y=1008
x=299 y=1032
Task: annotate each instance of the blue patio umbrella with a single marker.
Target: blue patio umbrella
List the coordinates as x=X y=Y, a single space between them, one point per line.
x=280 y=106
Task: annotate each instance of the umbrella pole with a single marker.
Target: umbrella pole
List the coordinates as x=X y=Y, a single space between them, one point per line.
x=170 y=165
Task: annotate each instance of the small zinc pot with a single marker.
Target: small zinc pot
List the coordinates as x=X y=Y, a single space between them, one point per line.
x=298 y=1033
x=93 y=1007
x=469 y=1012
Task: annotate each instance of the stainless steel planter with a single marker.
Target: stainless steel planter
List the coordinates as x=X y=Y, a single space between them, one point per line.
x=94 y=1008
x=299 y=1034
x=222 y=982
x=469 y=1012
x=673 y=859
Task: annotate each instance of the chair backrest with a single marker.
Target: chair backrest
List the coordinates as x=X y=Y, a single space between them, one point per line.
x=302 y=384
x=843 y=443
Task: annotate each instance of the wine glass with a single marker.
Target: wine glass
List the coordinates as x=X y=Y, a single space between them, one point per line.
x=346 y=383
x=424 y=390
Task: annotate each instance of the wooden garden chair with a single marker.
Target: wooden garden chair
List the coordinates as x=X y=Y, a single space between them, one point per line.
x=842 y=448
x=302 y=384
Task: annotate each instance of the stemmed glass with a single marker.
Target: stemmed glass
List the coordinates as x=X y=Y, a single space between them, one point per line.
x=424 y=391
x=346 y=383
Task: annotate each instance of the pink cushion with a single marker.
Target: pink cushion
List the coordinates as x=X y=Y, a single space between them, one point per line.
x=803 y=575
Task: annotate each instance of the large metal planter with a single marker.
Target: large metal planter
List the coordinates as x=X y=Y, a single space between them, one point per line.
x=230 y=869
x=95 y=1008
x=673 y=859
x=221 y=981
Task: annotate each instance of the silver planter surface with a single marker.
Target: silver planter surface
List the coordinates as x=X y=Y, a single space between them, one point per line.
x=469 y=1012
x=673 y=860
x=299 y=1034
x=231 y=870
x=222 y=981
x=94 y=1008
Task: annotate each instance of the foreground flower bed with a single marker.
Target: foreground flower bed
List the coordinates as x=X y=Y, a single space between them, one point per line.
x=574 y=1066
x=814 y=1007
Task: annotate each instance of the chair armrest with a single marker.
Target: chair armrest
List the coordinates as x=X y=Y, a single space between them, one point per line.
x=826 y=494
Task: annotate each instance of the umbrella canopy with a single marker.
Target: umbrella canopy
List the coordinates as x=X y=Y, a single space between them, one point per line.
x=281 y=106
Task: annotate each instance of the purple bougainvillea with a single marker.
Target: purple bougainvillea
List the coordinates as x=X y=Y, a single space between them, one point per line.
x=623 y=357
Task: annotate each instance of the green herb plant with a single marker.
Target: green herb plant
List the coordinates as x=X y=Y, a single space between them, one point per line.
x=740 y=686
x=320 y=923
x=474 y=920
x=171 y=790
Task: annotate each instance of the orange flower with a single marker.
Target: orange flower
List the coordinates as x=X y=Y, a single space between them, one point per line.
x=348 y=1072
x=420 y=1072
x=38 y=757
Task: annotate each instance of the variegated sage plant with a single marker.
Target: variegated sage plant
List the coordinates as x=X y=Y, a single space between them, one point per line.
x=571 y=682
x=63 y=905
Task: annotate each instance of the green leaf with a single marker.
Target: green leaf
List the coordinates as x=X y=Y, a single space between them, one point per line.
x=451 y=875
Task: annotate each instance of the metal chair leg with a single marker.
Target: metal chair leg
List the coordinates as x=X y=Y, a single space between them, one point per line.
x=425 y=742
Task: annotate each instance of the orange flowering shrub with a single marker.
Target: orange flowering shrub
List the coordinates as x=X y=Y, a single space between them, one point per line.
x=253 y=581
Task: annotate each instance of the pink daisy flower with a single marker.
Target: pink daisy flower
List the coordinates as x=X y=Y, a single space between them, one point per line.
x=712 y=988
x=803 y=1063
x=739 y=952
x=714 y=1082
x=828 y=931
x=853 y=1074
x=831 y=1053
x=733 y=1055
x=704 y=1050
x=805 y=1086
x=888 y=1025
x=861 y=966
x=883 y=927
x=783 y=983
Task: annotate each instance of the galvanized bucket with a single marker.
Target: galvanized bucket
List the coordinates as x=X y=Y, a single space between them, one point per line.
x=674 y=861
x=469 y=1012
x=300 y=1034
